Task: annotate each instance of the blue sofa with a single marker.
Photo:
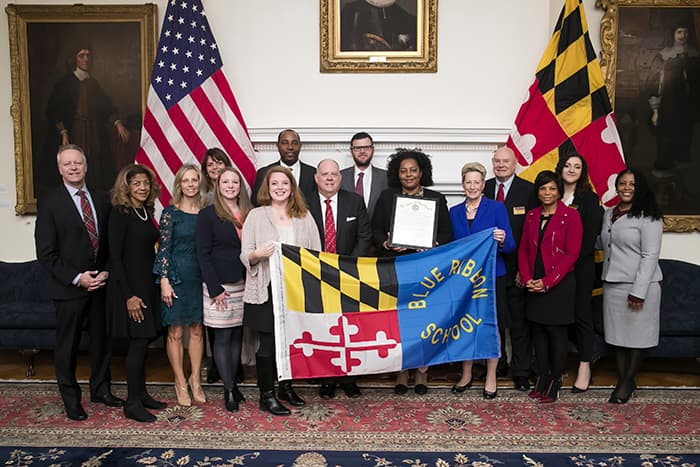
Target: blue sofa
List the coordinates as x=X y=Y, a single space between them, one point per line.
x=27 y=315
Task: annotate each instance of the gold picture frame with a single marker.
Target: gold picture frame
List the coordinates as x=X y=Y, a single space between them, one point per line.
x=355 y=40
x=45 y=42
x=635 y=36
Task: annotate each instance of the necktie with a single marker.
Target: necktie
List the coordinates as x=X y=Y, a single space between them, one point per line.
x=89 y=220
x=329 y=231
x=359 y=186
x=500 y=196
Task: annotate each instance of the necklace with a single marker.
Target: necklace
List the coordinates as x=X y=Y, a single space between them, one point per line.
x=145 y=214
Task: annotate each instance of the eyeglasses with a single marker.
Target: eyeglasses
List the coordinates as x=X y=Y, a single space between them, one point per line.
x=360 y=148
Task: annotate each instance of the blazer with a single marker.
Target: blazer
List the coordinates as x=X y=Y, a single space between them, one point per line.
x=306 y=182
x=491 y=214
x=259 y=229
x=353 y=231
x=381 y=221
x=631 y=247
x=560 y=246
x=380 y=182
x=218 y=251
x=519 y=200
x=62 y=243
x=591 y=212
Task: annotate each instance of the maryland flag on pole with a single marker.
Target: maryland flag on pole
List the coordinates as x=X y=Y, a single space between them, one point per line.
x=340 y=315
x=568 y=108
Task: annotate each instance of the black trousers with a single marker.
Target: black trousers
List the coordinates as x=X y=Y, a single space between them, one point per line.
x=550 y=343
x=70 y=318
x=520 y=340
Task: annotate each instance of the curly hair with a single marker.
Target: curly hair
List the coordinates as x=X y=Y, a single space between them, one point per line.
x=219 y=156
x=244 y=204
x=120 y=191
x=296 y=206
x=644 y=200
x=177 y=185
x=545 y=177
x=401 y=154
x=583 y=184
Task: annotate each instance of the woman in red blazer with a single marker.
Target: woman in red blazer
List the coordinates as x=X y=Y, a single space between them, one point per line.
x=549 y=247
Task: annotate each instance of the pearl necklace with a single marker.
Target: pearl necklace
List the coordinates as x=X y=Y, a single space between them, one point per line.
x=145 y=214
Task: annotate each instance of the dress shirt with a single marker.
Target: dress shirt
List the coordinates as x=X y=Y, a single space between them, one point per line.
x=506 y=187
x=76 y=201
x=334 y=208
x=295 y=168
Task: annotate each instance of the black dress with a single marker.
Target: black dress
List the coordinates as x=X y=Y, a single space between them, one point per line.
x=555 y=307
x=132 y=253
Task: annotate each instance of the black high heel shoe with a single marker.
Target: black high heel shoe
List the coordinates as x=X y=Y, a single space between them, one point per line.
x=488 y=395
x=576 y=390
x=615 y=398
x=460 y=389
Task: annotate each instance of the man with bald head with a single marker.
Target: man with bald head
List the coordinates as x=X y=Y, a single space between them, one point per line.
x=289 y=146
x=71 y=244
x=519 y=197
x=345 y=229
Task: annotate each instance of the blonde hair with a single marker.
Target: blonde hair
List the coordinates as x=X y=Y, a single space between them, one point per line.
x=220 y=206
x=177 y=186
x=474 y=167
x=296 y=206
x=120 y=190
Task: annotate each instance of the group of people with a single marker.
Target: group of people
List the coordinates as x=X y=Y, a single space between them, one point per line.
x=206 y=263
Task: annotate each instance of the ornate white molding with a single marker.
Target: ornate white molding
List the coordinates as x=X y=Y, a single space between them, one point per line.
x=449 y=148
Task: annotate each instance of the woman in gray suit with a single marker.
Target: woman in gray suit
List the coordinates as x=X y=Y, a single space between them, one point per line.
x=631 y=237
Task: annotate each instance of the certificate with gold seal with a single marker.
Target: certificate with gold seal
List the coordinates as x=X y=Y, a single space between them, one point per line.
x=413 y=222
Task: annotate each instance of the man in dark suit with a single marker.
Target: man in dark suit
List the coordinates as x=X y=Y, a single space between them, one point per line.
x=362 y=177
x=289 y=145
x=345 y=229
x=518 y=196
x=71 y=243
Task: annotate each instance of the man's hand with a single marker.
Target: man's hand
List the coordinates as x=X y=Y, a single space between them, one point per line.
x=92 y=280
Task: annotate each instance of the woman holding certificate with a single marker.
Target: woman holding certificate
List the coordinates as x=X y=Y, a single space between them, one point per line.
x=409 y=172
x=475 y=214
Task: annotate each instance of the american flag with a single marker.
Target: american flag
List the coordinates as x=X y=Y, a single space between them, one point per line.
x=190 y=104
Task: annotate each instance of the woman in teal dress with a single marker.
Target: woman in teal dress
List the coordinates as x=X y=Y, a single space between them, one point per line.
x=181 y=282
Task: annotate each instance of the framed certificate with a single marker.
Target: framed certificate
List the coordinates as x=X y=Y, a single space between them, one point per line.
x=413 y=222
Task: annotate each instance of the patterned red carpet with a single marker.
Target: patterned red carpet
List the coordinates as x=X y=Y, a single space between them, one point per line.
x=653 y=421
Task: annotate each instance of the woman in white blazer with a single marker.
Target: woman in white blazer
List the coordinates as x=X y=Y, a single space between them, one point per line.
x=631 y=237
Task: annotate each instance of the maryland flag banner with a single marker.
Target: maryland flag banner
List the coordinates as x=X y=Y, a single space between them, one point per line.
x=341 y=315
x=568 y=108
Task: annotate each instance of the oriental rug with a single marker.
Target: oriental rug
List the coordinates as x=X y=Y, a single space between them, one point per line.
x=655 y=421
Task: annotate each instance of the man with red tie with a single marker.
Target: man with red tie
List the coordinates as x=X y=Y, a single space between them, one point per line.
x=518 y=196
x=345 y=229
x=71 y=244
x=363 y=177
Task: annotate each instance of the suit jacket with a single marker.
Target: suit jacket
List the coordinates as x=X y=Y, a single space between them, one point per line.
x=560 y=245
x=353 y=230
x=520 y=199
x=491 y=214
x=631 y=247
x=379 y=184
x=306 y=182
x=218 y=251
x=62 y=243
x=381 y=221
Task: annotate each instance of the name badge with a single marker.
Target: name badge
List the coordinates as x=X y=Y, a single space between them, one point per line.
x=518 y=210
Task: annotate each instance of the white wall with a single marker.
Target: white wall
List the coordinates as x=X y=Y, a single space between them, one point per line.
x=487 y=53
